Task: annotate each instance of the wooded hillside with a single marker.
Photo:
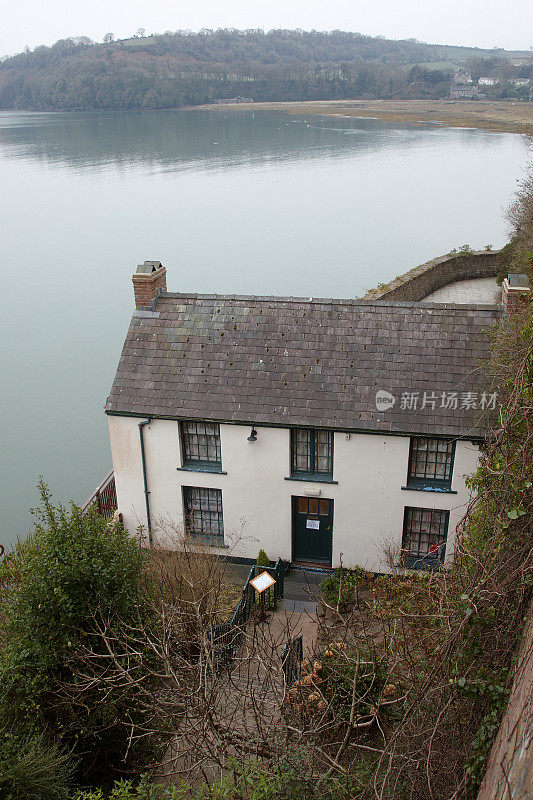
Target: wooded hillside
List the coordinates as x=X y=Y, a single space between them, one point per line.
x=182 y=68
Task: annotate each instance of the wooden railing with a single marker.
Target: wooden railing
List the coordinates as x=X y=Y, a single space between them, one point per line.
x=104 y=498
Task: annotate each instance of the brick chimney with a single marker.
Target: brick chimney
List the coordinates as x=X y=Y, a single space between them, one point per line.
x=148 y=282
x=515 y=293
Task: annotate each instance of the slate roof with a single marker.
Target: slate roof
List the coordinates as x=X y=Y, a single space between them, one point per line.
x=303 y=362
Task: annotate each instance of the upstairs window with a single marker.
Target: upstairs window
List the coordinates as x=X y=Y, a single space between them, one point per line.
x=430 y=463
x=424 y=537
x=200 y=443
x=203 y=514
x=311 y=452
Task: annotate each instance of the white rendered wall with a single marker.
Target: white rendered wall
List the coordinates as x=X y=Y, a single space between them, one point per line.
x=368 y=500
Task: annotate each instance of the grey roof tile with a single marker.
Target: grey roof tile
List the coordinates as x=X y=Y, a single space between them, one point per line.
x=311 y=362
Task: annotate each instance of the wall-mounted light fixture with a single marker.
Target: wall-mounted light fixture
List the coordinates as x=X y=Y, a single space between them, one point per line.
x=253 y=436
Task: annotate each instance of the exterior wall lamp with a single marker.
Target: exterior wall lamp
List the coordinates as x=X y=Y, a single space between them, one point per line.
x=253 y=436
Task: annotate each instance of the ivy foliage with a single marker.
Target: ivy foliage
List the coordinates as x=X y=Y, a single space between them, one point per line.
x=492 y=571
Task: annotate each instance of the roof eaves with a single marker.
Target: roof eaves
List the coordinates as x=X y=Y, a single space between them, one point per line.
x=466 y=435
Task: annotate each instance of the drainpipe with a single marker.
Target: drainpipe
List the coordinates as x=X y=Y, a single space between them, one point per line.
x=146 y=492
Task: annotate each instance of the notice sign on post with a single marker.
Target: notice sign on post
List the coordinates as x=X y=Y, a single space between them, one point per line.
x=313 y=524
x=262 y=582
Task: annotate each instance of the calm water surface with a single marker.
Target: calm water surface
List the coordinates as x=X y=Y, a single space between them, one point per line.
x=269 y=204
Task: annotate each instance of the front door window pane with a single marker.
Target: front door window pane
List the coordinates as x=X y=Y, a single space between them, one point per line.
x=313 y=505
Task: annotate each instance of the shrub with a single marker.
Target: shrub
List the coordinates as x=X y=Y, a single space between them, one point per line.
x=262 y=559
x=33 y=769
x=73 y=573
x=246 y=781
x=340 y=587
x=341 y=662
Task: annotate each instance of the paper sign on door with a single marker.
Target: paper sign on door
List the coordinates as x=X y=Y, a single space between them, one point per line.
x=314 y=524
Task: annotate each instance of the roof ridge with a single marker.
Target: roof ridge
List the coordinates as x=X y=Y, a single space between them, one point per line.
x=329 y=301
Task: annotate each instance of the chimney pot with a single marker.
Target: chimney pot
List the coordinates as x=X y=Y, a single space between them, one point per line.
x=149 y=281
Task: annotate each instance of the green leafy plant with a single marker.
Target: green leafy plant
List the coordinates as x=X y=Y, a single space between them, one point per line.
x=33 y=769
x=74 y=574
x=345 y=664
x=249 y=780
x=341 y=587
x=262 y=559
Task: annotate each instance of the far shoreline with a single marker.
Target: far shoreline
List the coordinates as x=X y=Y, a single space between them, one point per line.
x=499 y=115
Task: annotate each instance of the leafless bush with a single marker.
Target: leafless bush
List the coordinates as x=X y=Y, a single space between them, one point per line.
x=520 y=213
x=186 y=693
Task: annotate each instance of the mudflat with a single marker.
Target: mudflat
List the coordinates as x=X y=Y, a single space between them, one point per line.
x=497 y=115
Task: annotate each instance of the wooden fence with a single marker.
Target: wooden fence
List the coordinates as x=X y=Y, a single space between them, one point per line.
x=104 y=498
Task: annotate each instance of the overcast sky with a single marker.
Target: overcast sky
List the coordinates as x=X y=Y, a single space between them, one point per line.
x=483 y=23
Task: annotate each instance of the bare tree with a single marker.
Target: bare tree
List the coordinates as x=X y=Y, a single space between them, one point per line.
x=210 y=691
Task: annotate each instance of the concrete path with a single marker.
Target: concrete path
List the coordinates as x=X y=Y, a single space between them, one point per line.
x=297 y=612
x=483 y=291
x=301 y=591
x=247 y=698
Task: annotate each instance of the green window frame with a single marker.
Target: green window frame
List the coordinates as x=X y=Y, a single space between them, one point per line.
x=311 y=452
x=203 y=514
x=200 y=443
x=430 y=463
x=425 y=532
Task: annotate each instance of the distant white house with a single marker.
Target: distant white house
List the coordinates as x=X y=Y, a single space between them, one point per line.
x=488 y=81
x=317 y=429
x=462 y=77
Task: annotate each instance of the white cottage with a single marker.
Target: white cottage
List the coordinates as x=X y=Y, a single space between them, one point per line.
x=317 y=429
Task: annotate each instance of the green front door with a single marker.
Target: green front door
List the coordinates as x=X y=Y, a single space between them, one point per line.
x=312 y=529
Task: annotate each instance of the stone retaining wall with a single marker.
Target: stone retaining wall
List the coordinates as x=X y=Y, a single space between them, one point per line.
x=510 y=765
x=421 y=281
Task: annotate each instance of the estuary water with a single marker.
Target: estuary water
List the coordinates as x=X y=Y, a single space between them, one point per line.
x=228 y=201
